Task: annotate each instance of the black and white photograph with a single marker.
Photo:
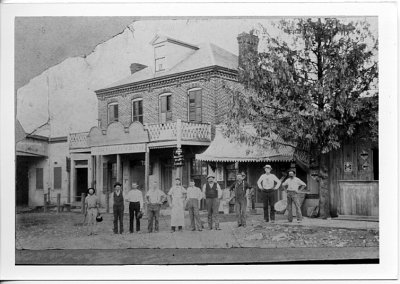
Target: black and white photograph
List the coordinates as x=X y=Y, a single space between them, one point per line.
x=199 y=140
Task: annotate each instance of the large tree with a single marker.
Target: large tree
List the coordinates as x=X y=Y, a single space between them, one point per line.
x=313 y=88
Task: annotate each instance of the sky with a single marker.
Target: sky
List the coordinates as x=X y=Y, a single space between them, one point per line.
x=42 y=42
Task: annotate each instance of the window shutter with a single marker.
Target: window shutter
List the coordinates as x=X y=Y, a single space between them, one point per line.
x=57 y=177
x=115 y=112
x=39 y=178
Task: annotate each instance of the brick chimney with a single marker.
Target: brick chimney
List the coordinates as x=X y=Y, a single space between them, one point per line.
x=248 y=45
x=135 y=67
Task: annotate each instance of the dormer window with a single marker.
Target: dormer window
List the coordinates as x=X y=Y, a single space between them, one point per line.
x=159 y=56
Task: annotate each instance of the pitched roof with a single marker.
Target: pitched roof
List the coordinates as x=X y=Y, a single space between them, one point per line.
x=20 y=133
x=206 y=55
x=223 y=150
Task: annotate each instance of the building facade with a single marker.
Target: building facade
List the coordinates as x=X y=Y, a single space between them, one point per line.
x=143 y=119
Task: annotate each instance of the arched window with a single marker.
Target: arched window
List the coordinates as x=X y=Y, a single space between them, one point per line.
x=195 y=105
x=112 y=112
x=137 y=110
x=165 y=107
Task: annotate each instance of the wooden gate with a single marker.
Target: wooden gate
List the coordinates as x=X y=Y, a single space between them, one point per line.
x=359 y=198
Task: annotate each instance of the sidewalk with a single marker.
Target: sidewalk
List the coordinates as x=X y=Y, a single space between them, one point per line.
x=38 y=231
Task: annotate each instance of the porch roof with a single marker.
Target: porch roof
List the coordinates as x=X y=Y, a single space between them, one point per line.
x=223 y=150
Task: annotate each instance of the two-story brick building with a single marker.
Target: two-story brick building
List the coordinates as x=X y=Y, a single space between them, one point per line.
x=173 y=103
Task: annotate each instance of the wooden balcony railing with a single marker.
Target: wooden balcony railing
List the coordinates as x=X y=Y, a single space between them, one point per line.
x=172 y=131
x=78 y=140
x=187 y=131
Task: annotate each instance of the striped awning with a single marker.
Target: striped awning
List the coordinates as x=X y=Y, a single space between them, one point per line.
x=223 y=150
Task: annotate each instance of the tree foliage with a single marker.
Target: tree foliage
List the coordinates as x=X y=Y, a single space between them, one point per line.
x=314 y=87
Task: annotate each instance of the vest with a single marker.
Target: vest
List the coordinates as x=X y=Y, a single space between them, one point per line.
x=118 y=200
x=211 y=192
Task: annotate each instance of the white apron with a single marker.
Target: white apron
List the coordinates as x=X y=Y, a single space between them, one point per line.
x=177 y=210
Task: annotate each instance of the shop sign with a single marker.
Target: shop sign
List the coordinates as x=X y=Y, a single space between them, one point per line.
x=119 y=149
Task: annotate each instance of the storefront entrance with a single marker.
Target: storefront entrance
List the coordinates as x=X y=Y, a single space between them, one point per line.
x=81 y=182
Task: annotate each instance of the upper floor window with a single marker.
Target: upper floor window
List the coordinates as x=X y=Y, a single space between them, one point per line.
x=112 y=112
x=137 y=110
x=165 y=106
x=194 y=105
x=159 y=57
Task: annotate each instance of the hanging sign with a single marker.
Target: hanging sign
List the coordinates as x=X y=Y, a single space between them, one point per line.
x=364 y=155
x=348 y=167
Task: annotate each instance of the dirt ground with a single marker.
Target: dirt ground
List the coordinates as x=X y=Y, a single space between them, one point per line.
x=65 y=231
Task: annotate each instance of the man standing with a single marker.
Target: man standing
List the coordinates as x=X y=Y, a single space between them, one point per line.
x=212 y=193
x=240 y=188
x=135 y=199
x=293 y=185
x=194 y=196
x=268 y=183
x=118 y=208
x=176 y=196
x=154 y=198
x=92 y=210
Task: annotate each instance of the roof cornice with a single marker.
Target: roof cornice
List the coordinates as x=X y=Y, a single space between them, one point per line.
x=168 y=79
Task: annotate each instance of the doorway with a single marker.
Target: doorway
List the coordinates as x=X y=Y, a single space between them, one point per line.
x=81 y=182
x=22 y=181
x=166 y=175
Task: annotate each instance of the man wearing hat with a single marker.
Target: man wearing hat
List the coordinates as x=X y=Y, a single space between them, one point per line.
x=118 y=208
x=240 y=189
x=268 y=184
x=293 y=185
x=213 y=193
x=135 y=199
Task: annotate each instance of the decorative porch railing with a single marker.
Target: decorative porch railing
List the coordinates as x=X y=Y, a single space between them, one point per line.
x=78 y=140
x=187 y=131
x=196 y=131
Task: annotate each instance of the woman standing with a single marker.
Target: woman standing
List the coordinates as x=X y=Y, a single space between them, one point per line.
x=92 y=210
x=178 y=194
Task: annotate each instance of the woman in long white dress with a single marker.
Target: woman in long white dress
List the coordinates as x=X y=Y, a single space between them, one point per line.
x=178 y=194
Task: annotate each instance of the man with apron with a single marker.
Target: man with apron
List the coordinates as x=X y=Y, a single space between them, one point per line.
x=176 y=197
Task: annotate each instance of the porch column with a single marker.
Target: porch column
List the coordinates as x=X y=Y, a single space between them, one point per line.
x=119 y=169
x=73 y=181
x=146 y=173
x=99 y=176
x=90 y=171
x=179 y=144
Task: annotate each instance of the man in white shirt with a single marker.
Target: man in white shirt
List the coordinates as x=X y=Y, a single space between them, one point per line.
x=293 y=185
x=154 y=197
x=135 y=199
x=213 y=193
x=194 y=195
x=268 y=184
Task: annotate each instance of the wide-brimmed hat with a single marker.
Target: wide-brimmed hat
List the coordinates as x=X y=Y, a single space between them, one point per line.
x=99 y=218
x=210 y=175
x=267 y=166
x=135 y=185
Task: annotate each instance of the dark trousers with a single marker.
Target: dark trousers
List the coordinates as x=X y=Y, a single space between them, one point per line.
x=118 y=216
x=193 y=207
x=134 y=209
x=240 y=208
x=269 y=198
x=212 y=205
x=153 y=213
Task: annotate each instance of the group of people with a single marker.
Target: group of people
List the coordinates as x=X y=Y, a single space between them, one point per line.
x=180 y=198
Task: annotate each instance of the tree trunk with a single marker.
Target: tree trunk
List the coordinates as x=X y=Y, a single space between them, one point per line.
x=323 y=187
x=319 y=172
